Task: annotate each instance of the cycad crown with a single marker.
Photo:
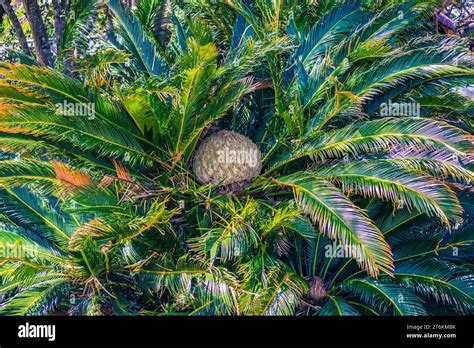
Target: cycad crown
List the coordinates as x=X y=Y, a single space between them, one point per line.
x=350 y=211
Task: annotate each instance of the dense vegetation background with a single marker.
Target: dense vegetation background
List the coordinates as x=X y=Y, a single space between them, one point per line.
x=359 y=112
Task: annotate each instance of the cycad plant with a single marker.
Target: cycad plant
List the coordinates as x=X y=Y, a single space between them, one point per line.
x=115 y=201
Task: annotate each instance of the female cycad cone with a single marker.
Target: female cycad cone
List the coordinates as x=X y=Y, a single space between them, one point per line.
x=225 y=158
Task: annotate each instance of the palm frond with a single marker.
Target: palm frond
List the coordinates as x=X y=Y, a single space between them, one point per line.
x=189 y=279
x=385 y=297
x=328 y=31
x=383 y=180
x=34 y=212
x=337 y=306
x=231 y=237
x=136 y=40
x=343 y=221
x=442 y=281
x=380 y=136
x=272 y=291
x=443 y=166
x=39 y=299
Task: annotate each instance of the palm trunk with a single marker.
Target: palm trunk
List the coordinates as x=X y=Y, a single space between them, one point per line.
x=161 y=26
x=38 y=30
x=7 y=7
x=60 y=9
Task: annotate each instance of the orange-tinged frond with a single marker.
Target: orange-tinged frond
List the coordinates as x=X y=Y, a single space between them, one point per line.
x=67 y=174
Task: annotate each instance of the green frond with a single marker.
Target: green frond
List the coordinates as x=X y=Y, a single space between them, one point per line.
x=39 y=299
x=282 y=218
x=420 y=64
x=20 y=246
x=199 y=67
x=279 y=294
x=440 y=280
x=341 y=220
x=60 y=89
x=136 y=40
x=385 y=297
x=153 y=16
x=14 y=173
x=389 y=221
x=242 y=30
x=387 y=181
x=150 y=114
x=97 y=68
x=80 y=13
x=34 y=212
x=191 y=278
x=380 y=136
x=225 y=99
x=282 y=296
x=83 y=134
x=18 y=94
x=442 y=166
x=337 y=306
x=328 y=31
x=230 y=237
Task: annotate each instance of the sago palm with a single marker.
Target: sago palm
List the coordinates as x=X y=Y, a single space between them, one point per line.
x=130 y=208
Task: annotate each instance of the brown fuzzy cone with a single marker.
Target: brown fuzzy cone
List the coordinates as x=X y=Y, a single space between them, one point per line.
x=225 y=158
x=317 y=289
